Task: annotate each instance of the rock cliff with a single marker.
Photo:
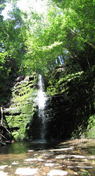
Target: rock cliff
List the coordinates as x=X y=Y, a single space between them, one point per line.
x=21 y=108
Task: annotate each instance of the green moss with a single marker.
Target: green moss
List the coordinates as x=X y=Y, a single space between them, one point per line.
x=21 y=111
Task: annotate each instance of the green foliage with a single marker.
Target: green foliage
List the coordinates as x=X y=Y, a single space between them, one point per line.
x=21 y=111
x=90 y=132
x=2 y=5
x=12 y=50
x=36 y=41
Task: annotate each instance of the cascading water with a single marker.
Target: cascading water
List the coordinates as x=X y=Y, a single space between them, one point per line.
x=41 y=102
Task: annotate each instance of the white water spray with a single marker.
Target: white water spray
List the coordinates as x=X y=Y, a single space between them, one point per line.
x=41 y=101
x=41 y=94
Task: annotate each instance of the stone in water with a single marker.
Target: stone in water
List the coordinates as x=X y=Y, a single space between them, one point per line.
x=26 y=171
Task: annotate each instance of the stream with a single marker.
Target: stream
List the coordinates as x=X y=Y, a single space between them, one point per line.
x=74 y=157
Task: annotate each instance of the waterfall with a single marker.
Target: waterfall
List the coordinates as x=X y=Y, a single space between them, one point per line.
x=41 y=102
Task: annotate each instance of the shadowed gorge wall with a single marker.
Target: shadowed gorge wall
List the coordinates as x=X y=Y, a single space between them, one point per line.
x=71 y=103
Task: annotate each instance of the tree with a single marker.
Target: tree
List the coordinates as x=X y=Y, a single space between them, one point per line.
x=12 y=49
x=69 y=29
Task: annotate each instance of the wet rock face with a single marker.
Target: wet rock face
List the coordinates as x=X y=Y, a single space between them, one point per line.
x=21 y=108
x=58 y=115
x=35 y=127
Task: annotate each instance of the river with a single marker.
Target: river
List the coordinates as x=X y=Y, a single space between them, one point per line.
x=74 y=157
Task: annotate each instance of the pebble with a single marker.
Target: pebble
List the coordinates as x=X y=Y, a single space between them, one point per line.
x=51 y=164
x=70 y=156
x=26 y=171
x=57 y=172
x=62 y=149
x=3 y=167
x=81 y=167
x=15 y=163
x=3 y=173
x=33 y=159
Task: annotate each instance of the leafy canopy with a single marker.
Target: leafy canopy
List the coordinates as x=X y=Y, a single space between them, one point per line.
x=39 y=42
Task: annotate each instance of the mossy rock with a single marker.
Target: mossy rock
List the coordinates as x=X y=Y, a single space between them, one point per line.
x=20 y=112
